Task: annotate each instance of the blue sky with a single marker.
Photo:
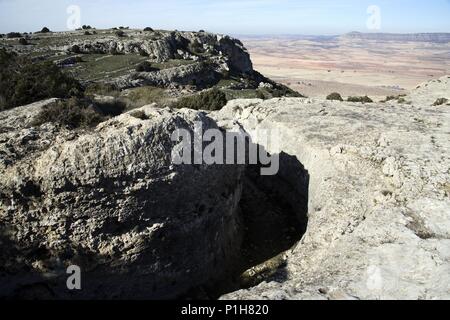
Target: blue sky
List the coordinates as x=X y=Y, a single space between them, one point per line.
x=231 y=16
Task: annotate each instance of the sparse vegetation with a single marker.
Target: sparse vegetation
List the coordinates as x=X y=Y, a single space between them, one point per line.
x=23 y=41
x=143 y=53
x=76 y=49
x=13 y=35
x=120 y=33
x=144 y=66
x=440 y=102
x=364 y=99
x=209 y=100
x=74 y=113
x=102 y=89
x=260 y=95
x=23 y=81
x=335 y=96
x=390 y=98
x=78 y=112
x=196 y=47
x=138 y=97
x=283 y=91
x=139 y=114
x=129 y=99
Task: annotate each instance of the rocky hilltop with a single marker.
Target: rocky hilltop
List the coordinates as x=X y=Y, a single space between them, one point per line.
x=359 y=208
x=128 y=58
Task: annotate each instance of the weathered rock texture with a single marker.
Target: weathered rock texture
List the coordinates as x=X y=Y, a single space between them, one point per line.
x=379 y=195
x=111 y=202
x=201 y=74
x=215 y=55
x=163 y=45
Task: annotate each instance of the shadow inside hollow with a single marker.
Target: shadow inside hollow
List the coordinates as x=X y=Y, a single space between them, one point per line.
x=274 y=212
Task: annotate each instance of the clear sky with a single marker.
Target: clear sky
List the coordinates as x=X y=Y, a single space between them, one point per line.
x=232 y=16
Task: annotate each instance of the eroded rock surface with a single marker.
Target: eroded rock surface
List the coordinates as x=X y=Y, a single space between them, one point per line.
x=379 y=195
x=112 y=203
x=164 y=45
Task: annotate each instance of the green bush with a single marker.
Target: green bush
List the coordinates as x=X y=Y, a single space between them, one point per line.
x=78 y=112
x=390 y=98
x=139 y=114
x=143 y=53
x=148 y=29
x=335 y=96
x=102 y=89
x=196 y=47
x=260 y=95
x=75 y=49
x=440 y=102
x=13 y=35
x=74 y=113
x=24 y=82
x=364 y=99
x=144 y=66
x=23 y=41
x=209 y=100
x=45 y=30
x=120 y=33
x=280 y=90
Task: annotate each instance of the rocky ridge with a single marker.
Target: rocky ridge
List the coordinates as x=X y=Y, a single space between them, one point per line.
x=111 y=202
x=379 y=195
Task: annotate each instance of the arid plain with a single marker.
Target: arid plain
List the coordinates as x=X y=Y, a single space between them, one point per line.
x=317 y=66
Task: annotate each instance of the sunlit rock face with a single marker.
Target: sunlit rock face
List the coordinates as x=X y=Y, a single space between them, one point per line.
x=111 y=202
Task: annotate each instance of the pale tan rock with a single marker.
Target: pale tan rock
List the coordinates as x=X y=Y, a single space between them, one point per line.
x=111 y=202
x=378 y=214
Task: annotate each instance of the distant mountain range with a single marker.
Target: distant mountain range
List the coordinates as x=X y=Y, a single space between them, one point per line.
x=414 y=37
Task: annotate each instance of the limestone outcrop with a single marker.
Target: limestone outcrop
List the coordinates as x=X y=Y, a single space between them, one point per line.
x=375 y=178
x=201 y=74
x=378 y=199
x=111 y=202
x=164 y=45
